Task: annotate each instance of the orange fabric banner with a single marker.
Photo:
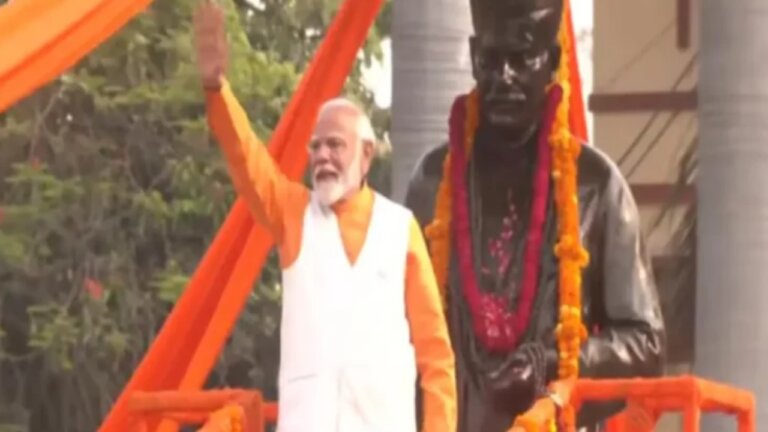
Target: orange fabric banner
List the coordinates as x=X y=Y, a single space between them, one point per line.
x=194 y=333
x=578 y=113
x=42 y=38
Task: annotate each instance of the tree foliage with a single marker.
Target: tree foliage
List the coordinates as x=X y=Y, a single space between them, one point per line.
x=112 y=189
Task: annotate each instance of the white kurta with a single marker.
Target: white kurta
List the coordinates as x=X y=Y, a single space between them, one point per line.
x=346 y=360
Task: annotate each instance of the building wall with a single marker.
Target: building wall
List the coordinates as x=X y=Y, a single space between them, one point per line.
x=636 y=51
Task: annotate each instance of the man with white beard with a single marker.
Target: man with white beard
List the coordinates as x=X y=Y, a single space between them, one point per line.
x=362 y=316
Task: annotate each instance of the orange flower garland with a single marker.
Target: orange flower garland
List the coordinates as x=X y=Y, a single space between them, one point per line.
x=438 y=232
x=570 y=331
x=227 y=419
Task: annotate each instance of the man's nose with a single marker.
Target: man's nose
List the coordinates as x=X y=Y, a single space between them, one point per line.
x=322 y=153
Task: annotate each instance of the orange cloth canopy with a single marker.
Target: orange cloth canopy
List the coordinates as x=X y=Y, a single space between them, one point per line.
x=40 y=39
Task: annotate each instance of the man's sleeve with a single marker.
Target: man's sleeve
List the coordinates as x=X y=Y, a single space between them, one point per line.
x=256 y=177
x=429 y=334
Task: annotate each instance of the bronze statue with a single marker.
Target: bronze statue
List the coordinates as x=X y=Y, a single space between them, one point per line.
x=503 y=332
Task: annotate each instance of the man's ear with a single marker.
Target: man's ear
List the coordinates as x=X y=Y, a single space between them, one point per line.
x=369 y=152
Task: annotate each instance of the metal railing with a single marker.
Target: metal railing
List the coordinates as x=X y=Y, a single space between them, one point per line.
x=228 y=410
x=647 y=399
x=233 y=410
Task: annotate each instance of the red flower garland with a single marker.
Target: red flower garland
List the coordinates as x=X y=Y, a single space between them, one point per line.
x=498 y=329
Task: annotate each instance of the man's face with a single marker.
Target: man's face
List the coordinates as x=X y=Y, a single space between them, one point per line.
x=514 y=59
x=337 y=158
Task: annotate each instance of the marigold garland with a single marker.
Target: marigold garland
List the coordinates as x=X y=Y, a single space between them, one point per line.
x=570 y=331
x=229 y=418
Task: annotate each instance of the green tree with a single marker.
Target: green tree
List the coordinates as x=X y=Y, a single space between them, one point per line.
x=112 y=189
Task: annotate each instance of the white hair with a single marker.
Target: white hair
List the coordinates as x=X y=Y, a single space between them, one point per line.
x=365 y=131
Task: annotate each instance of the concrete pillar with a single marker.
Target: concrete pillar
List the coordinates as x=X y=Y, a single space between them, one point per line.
x=430 y=67
x=732 y=296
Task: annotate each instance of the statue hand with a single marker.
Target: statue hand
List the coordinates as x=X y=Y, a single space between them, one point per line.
x=516 y=383
x=210 y=43
x=511 y=385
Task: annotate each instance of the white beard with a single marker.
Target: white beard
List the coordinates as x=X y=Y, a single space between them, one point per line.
x=328 y=192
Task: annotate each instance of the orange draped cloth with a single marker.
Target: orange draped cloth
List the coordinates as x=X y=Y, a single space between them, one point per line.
x=40 y=39
x=578 y=118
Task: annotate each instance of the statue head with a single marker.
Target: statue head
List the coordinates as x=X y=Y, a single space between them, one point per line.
x=515 y=53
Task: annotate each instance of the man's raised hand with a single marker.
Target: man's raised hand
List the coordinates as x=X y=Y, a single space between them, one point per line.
x=210 y=43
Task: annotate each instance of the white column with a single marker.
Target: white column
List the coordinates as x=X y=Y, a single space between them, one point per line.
x=430 y=67
x=732 y=294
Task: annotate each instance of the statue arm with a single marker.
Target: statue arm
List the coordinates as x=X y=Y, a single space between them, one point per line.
x=425 y=180
x=629 y=338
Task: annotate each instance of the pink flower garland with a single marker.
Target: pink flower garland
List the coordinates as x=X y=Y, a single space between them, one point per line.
x=496 y=327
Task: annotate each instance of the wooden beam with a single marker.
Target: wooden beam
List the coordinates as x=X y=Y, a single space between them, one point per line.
x=662 y=193
x=643 y=101
x=683 y=24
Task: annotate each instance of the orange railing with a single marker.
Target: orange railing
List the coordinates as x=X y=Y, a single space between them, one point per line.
x=227 y=410
x=646 y=400
x=246 y=411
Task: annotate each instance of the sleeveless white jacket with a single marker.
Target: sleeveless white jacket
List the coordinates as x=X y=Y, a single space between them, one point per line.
x=346 y=359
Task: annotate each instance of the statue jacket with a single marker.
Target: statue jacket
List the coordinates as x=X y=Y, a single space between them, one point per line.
x=619 y=298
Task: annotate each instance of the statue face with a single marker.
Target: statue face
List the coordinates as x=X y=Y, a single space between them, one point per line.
x=514 y=57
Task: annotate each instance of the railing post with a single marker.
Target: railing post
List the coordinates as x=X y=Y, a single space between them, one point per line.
x=746 y=420
x=692 y=418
